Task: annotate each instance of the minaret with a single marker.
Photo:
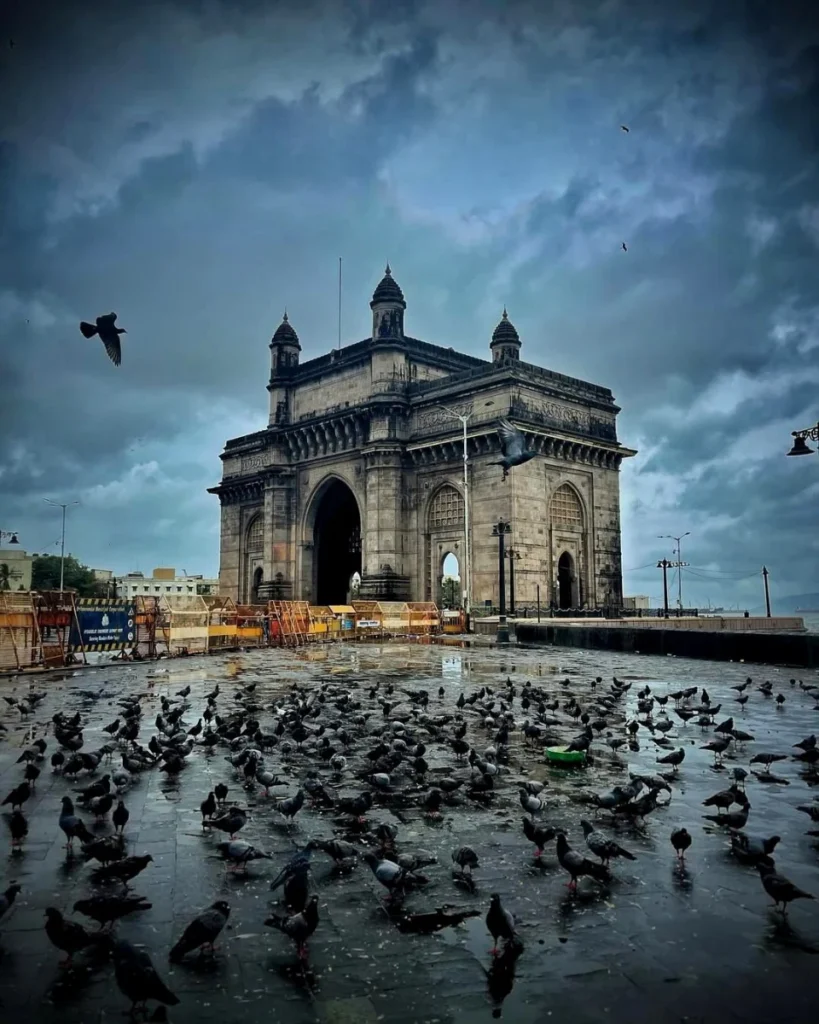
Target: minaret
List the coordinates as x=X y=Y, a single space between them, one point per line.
x=388 y=307
x=505 y=344
x=284 y=359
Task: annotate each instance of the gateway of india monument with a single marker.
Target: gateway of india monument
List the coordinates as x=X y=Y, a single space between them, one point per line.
x=358 y=478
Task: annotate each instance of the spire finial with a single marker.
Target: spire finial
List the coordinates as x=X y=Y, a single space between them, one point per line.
x=388 y=272
x=505 y=314
x=284 y=318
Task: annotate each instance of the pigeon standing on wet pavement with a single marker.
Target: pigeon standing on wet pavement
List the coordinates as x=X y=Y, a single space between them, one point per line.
x=232 y=821
x=107 y=909
x=67 y=936
x=137 y=979
x=540 y=835
x=681 y=841
x=605 y=849
x=499 y=923
x=120 y=817
x=18 y=826
x=299 y=927
x=387 y=872
x=753 y=849
x=124 y=870
x=465 y=857
x=577 y=865
x=203 y=930
x=291 y=806
x=109 y=335
x=780 y=889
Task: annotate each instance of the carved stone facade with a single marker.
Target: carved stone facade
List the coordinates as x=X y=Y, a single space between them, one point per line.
x=360 y=469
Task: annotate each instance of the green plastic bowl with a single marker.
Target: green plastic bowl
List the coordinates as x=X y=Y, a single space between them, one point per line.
x=564 y=756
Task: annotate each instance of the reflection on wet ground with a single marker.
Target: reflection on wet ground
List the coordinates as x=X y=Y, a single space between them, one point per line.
x=660 y=942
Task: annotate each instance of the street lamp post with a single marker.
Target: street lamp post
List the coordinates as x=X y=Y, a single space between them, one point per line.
x=500 y=530
x=467 y=572
x=670 y=536
x=514 y=556
x=63 y=506
x=800 y=440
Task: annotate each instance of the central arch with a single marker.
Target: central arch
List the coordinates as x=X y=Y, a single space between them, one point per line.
x=336 y=543
x=565 y=581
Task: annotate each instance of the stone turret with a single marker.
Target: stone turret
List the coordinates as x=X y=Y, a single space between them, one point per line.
x=388 y=307
x=505 y=344
x=284 y=361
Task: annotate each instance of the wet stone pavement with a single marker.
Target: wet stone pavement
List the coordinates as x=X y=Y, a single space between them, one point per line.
x=653 y=945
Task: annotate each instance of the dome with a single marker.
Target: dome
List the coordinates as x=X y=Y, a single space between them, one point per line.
x=505 y=333
x=388 y=290
x=285 y=333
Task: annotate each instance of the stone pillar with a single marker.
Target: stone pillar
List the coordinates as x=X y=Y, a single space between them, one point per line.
x=279 y=530
x=229 y=548
x=384 y=542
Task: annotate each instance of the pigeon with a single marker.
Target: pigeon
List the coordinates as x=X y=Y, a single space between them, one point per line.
x=208 y=807
x=108 y=334
x=107 y=909
x=68 y=936
x=18 y=796
x=726 y=797
x=533 y=804
x=577 y=865
x=812 y=810
x=290 y=807
x=238 y=853
x=71 y=824
x=465 y=857
x=624 y=246
x=675 y=758
x=137 y=979
x=202 y=931
x=120 y=816
x=753 y=849
x=8 y=897
x=780 y=889
x=731 y=819
x=231 y=822
x=338 y=849
x=124 y=870
x=387 y=872
x=220 y=791
x=624 y=127
x=681 y=840
x=540 y=835
x=299 y=927
x=298 y=864
x=513 y=446
x=18 y=826
x=105 y=849
x=499 y=922
x=768 y=759
x=605 y=849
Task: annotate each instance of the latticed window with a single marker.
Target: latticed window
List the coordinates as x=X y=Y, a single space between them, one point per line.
x=255 y=535
x=447 y=509
x=566 y=508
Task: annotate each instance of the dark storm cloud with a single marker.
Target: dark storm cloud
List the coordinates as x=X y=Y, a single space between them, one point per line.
x=197 y=166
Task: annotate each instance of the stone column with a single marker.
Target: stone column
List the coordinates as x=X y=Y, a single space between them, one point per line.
x=279 y=533
x=384 y=541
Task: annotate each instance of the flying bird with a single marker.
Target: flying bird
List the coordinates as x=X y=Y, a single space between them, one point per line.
x=513 y=446
x=624 y=127
x=625 y=247
x=109 y=335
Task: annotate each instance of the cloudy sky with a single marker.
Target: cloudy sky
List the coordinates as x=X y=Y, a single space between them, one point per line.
x=196 y=165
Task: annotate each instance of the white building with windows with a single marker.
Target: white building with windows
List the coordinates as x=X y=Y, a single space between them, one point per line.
x=164 y=583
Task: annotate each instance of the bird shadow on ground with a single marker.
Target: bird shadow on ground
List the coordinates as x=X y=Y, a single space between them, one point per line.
x=782 y=934
x=73 y=981
x=500 y=978
x=70 y=865
x=298 y=974
x=682 y=879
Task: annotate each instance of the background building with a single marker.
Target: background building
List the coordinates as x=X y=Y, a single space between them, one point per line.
x=15 y=569
x=164 y=582
x=638 y=602
x=360 y=469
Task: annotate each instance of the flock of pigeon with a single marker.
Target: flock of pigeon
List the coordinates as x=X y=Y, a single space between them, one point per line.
x=396 y=747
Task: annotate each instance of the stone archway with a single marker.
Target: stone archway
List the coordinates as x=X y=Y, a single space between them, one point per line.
x=566 y=582
x=336 y=542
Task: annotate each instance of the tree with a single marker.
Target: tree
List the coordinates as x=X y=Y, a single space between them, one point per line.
x=6 y=576
x=45 y=575
x=451 y=592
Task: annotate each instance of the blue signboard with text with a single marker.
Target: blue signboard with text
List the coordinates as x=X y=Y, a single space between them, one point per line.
x=104 y=625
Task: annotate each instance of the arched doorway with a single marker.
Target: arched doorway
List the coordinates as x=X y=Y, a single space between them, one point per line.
x=336 y=543
x=565 y=581
x=450 y=582
x=258 y=572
